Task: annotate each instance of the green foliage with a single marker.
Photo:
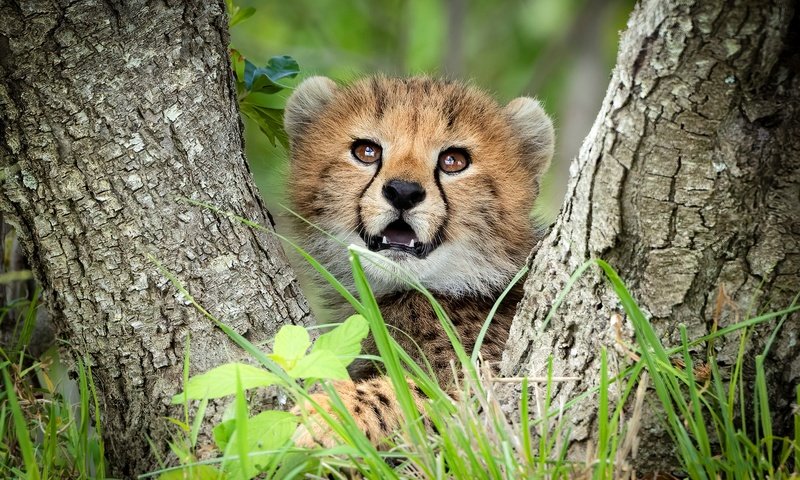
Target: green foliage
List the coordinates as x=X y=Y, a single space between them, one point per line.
x=254 y=445
x=726 y=450
x=291 y=344
x=344 y=341
x=21 y=427
x=328 y=359
x=236 y=14
x=256 y=87
x=42 y=434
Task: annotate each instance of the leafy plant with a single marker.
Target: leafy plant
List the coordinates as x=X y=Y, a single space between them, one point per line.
x=256 y=88
x=237 y=14
x=252 y=444
x=42 y=434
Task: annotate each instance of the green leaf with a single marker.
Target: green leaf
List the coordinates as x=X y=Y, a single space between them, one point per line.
x=267 y=431
x=195 y=472
x=239 y=15
x=276 y=429
x=281 y=66
x=222 y=433
x=265 y=79
x=291 y=344
x=319 y=364
x=344 y=341
x=240 y=440
x=273 y=114
x=221 y=381
x=256 y=80
x=268 y=125
x=263 y=100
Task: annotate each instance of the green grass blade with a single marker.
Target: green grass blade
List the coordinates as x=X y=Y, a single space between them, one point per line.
x=345 y=427
x=563 y=294
x=797 y=431
x=485 y=328
x=545 y=429
x=750 y=322
x=737 y=380
x=775 y=330
x=730 y=446
x=616 y=417
x=525 y=425
x=665 y=384
x=602 y=419
x=100 y=458
x=28 y=322
x=763 y=412
x=386 y=348
x=197 y=423
x=50 y=440
x=696 y=420
x=25 y=444
x=84 y=419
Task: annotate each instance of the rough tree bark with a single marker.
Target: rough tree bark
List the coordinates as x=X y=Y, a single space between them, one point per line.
x=112 y=112
x=689 y=181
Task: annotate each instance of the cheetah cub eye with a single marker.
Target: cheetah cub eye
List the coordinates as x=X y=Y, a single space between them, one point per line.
x=366 y=151
x=453 y=160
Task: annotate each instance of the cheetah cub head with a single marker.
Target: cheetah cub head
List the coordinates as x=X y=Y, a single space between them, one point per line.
x=434 y=175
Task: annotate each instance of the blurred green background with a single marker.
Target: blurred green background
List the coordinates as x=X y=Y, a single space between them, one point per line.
x=560 y=51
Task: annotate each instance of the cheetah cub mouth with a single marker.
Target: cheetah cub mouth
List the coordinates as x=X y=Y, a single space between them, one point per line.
x=399 y=236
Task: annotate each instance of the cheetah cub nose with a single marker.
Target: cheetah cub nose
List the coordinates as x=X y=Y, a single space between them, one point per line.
x=403 y=195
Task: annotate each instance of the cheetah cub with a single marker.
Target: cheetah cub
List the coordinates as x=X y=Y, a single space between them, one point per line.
x=434 y=175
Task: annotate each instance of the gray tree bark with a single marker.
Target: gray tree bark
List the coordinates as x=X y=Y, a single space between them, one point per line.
x=112 y=113
x=688 y=182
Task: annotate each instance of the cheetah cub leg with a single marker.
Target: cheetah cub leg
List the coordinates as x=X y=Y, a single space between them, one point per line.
x=372 y=403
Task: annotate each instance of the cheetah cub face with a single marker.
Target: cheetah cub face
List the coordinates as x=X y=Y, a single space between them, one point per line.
x=434 y=175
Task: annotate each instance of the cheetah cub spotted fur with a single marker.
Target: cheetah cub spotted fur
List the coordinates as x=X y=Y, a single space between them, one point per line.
x=434 y=175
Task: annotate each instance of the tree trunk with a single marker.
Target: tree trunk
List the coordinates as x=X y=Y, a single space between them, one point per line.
x=112 y=113
x=688 y=182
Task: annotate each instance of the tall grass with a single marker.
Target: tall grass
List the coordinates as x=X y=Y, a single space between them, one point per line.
x=44 y=431
x=463 y=431
x=472 y=436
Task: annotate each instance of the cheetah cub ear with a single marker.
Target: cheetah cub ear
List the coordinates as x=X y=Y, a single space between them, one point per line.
x=535 y=129
x=305 y=103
